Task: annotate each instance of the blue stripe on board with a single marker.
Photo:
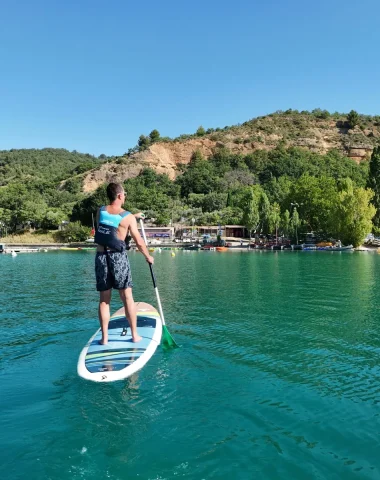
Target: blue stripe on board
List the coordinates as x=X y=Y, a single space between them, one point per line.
x=125 y=349
x=111 y=359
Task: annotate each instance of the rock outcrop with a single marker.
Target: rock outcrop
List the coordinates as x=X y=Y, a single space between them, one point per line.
x=304 y=131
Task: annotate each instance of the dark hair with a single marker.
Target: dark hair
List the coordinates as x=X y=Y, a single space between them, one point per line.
x=113 y=191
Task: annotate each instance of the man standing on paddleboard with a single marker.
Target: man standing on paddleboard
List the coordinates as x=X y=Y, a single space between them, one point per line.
x=112 y=267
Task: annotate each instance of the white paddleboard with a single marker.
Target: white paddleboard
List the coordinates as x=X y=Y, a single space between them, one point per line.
x=121 y=357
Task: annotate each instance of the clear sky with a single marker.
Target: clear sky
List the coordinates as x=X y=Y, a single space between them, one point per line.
x=93 y=75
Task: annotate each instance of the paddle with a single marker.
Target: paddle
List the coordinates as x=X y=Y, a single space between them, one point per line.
x=167 y=339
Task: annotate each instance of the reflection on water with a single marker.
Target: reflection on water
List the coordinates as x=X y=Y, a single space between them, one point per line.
x=278 y=370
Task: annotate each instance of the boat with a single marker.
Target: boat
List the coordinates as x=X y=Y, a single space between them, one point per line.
x=309 y=246
x=238 y=246
x=337 y=249
x=20 y=250
x=208 y=247
x=191 y=247
x=221 y=249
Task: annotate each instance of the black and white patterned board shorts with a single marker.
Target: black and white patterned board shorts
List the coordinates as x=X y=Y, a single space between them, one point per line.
x=112 y=270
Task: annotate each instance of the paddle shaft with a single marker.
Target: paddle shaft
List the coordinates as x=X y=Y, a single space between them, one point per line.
x=153 y=276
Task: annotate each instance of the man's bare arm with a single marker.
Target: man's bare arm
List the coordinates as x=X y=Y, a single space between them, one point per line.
x=97 y=217
x=138 y=239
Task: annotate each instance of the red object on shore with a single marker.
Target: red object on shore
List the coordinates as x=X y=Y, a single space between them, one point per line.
x=92 y=232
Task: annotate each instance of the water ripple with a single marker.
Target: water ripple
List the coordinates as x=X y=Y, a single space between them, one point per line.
x=278 y=370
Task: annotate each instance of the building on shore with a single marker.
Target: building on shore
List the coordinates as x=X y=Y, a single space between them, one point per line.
x=158 y=232
x=225 y=231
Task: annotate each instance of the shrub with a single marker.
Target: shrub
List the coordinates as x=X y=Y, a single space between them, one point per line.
x=74 y=232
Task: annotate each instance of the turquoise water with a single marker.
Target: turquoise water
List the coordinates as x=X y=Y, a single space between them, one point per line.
x=278 y=376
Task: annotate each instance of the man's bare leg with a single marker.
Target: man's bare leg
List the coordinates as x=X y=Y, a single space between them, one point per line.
x=104 y=314
x=130 y=312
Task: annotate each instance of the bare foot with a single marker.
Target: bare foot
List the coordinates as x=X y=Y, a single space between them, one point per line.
x=103 y=342
x=136 y=338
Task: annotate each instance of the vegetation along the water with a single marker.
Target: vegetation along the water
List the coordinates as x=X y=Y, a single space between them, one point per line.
x=304 y=171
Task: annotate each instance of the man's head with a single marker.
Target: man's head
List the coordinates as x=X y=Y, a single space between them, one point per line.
x=115 y=191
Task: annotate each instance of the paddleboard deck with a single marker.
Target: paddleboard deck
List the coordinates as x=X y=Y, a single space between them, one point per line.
x=120 y=358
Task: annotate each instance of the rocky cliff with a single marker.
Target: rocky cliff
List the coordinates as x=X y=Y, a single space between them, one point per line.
x=318 y=132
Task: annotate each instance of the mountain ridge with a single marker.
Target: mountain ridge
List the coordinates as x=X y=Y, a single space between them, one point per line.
x=317 y=131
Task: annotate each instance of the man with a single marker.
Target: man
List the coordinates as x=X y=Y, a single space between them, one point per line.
x=112 y=267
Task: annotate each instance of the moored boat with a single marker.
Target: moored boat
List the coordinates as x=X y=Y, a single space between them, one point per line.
x=191 y=247
x=208 y=247
x=337 y=249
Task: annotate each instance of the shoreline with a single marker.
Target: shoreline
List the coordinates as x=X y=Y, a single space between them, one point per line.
x=171 y=245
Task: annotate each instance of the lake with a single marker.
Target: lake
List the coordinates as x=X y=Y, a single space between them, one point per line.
x=277 y=376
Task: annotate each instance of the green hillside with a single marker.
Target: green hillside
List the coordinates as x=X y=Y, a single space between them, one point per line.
x=289 y=172
x=52 y=164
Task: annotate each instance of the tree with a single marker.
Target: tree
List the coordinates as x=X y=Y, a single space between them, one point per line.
x=250 y=208
x=200 y=132
x=374 y=183
x=317 y=195
x=53 y=218
x=285 y=223
x=73 y=185
x=295 y=222
x=33 y=211
x=231 y=216
x=278 y=189
x=351 y=219
x=353 y=118
x=264 y=209
x=274 y=218
x=85 y=209
x=292 y=162
x=74 y=232
x=199 y=176
x=154 y=136
x=236 y=178
x=163 y=218
x=195 y=200
x=143 y=143
x=214 y=201
x=5 y=216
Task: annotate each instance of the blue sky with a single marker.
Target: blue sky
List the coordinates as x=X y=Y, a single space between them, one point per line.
x=92 y=75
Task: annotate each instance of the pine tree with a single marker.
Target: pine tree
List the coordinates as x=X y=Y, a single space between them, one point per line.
x=353 y=118
x=154 y=136
x=200 y=132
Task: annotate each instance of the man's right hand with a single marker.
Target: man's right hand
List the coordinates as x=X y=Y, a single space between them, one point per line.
x=150 y=259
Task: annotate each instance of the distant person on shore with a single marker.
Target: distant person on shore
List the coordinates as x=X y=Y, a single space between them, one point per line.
x=112 y=269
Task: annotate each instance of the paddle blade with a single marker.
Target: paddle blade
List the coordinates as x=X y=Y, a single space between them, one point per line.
x=167 y=340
